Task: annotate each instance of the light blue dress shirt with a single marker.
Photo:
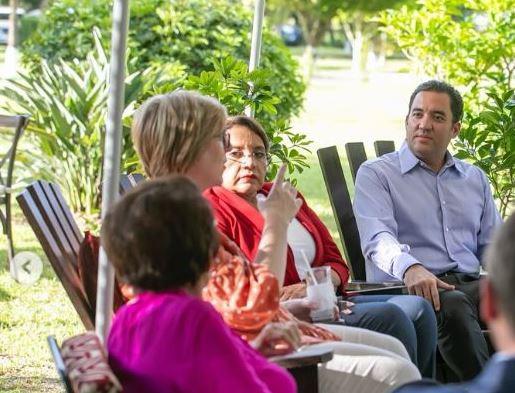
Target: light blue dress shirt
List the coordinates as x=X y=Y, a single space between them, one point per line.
x=408 y=214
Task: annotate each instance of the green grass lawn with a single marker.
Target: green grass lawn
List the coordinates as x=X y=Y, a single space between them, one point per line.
x=27 y=315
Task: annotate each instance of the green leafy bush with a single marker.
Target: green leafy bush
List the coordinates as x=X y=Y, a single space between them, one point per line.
x=68 y=103
x=488 y=141
x=187 y=34
x=470 y=43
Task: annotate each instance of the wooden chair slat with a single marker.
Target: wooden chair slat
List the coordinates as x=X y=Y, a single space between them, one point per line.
x=11 y=121
x=65 y=271
x=383 y=147
x=66 y=211
x=342 y=209
x=64 y=215
x=125 y=184
x=129 y=181
x=356 y=156
x=49 y=212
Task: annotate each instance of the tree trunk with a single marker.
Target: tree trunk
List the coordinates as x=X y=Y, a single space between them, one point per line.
x=11 y=53
x=381 y=55
x=11 y=39
x=357 y=46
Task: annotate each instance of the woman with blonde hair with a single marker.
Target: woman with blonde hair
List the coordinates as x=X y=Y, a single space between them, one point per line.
x=183 y=133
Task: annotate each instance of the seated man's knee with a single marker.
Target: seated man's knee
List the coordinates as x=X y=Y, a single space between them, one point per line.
x=454 y=305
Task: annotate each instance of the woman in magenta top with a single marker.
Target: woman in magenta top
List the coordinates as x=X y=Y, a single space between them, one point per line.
x=161 y=239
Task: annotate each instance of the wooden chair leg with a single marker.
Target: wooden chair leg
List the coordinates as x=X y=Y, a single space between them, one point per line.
x=306 y=378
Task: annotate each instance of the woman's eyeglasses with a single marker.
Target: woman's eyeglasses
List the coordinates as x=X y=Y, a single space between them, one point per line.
x=240 y=157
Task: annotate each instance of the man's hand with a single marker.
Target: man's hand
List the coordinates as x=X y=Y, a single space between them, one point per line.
x=422 y=282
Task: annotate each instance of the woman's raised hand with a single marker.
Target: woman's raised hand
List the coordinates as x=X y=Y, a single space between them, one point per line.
x=281 y=205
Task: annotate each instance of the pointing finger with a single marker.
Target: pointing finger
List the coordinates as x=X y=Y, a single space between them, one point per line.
x=279 y=178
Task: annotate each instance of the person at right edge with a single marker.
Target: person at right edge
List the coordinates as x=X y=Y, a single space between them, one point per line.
x=425 y=217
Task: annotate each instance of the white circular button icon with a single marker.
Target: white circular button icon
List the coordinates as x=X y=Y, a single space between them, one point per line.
x=26 y=267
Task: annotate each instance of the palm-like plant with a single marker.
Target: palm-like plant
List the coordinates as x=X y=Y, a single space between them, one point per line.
x=68 y=106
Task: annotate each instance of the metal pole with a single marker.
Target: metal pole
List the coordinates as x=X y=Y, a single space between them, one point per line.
x=257 y=32
x=255 y=48
x=112 y=149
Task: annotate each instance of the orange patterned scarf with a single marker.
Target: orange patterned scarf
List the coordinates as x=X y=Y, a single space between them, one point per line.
x=247 y=296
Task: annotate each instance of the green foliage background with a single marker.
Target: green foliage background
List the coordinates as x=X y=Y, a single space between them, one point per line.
x=194 y=44
x=183 y=35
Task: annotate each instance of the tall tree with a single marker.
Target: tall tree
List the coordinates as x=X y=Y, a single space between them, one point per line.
x=11 y=39
x=357 y=20
x=314 y=17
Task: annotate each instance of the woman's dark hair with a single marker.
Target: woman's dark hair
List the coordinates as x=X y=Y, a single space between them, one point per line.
x=250 y=123
x=161 y=235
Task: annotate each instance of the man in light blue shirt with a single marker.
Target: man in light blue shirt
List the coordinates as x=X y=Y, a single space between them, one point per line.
x=425 y=218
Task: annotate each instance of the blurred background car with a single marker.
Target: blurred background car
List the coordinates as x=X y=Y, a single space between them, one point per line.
x=291 y=34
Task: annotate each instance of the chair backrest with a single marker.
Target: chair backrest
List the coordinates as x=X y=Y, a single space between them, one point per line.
x=383 y=147
x=59 y=363
x=19 y=123
x=51 y=220
x=342 y=208
x=356 y=156
x=129 y=181
x=6 y=176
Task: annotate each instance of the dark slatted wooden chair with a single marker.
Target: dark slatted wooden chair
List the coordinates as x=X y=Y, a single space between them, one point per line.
x=51 y=220
x=129 y=181
x=356 y=155
x=18 y=123
x=341 y=204
x=59 y=363
x=383 y=147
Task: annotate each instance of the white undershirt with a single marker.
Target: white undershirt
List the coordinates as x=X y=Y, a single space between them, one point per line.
x=299 y=239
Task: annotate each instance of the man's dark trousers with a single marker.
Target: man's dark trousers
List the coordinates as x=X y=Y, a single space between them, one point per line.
x=460 y=338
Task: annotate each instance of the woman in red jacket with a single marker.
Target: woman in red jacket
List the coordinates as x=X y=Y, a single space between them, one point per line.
x=236 y=209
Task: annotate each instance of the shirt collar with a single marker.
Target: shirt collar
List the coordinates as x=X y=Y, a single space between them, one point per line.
x=408 y=160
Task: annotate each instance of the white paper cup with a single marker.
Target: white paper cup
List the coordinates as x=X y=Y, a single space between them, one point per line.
x=321 y=293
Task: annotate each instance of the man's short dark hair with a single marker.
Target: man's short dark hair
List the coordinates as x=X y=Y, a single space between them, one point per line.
x=161 y=235
x=441 y=87
x=500 y=263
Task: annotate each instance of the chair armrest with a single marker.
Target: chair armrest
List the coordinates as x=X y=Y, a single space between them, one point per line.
x=375 y=288
x=305 y=357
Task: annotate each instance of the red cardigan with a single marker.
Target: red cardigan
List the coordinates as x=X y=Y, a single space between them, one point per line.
x=243 y=224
